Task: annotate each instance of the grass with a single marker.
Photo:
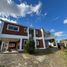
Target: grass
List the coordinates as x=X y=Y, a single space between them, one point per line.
x=2 y=66
x=65 y=54
x=65 y=47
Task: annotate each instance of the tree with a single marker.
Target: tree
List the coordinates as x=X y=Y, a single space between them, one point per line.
x=29 y=46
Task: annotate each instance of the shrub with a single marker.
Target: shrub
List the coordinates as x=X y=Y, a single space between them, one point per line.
x=50 y=46
x=65 y=47
x=29 y=47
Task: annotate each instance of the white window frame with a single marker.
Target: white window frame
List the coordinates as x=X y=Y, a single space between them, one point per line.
x=25 y=29
x=36 y=32
x=11 y=29
x=37 y=42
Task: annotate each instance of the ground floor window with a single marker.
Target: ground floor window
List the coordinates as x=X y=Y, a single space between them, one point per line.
x=23 y=42
x=37 y=42
x=12 y=45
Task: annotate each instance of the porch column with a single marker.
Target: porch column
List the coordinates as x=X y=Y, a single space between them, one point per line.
x=44 y=46
x=20 y=45
x=35 y=43
x=28 y=32
x=35 y=39
x=1 y=46
x=7 y=45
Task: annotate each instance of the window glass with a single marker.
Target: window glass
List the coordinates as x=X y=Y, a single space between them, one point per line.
x=12 y=27
x=36 y=32
x=37 y=42
x=25 y=29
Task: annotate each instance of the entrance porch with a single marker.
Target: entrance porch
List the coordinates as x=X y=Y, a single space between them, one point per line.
x=11 y=45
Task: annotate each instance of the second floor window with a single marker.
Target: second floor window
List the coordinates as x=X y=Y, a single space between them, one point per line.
x=36 y=33
x=25 y=29
x=13 y=28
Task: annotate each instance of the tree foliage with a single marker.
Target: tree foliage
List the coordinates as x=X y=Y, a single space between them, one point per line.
x=29 y=47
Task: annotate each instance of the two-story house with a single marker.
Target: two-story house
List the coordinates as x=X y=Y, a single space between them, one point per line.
x=14 y=36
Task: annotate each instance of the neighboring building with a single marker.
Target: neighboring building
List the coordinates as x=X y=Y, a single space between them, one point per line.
x=14 y=36
x=64 y=41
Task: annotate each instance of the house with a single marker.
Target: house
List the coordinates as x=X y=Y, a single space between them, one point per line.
x=14 y=36
x=64 y=41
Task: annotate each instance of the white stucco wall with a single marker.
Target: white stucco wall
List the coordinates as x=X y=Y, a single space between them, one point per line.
x=1 y=26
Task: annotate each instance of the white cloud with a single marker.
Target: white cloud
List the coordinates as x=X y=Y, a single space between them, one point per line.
x=36 y=8
x=45 y=14
x=58 y=33
x=9 y=1
x=9 y=8
x=56 y=18
x=31 y=25
x=8 y=20
x=0 y=22
x=65 y=21
x=52 y=30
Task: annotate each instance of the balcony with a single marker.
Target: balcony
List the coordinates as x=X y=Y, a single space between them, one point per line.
x=48 y=35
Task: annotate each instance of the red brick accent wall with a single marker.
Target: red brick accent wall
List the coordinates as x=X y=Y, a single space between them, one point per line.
x=39 y=33
x=21 y=29
x=40 y=45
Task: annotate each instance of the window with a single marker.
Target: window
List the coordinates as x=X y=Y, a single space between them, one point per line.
x=36 y=32
x=24 y=42
x=30 y=35
x=37 y=42
x=25 y=29
x=13 y=28
x=12 y=44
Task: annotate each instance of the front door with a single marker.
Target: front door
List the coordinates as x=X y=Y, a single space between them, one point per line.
x=4 y=46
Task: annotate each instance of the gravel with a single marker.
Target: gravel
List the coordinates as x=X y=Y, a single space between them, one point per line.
x=26 y=60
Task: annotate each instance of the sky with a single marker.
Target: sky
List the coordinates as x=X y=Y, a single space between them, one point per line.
x=48 y=14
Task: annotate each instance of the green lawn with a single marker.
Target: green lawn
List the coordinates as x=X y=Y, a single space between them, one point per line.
x=65 y=55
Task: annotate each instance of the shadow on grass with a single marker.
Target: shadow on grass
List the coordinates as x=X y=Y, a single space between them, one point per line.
x=45 y=51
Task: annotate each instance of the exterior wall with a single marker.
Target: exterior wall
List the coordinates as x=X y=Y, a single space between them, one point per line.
x=23 y=43
x=40 y=43
x=0 y=44
x=46 y=43
x=1 y=26
x=31 y=33
x=12 y=46
x=64 y=41
x=38 y=33
x=21 y=30
x=50 y=42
